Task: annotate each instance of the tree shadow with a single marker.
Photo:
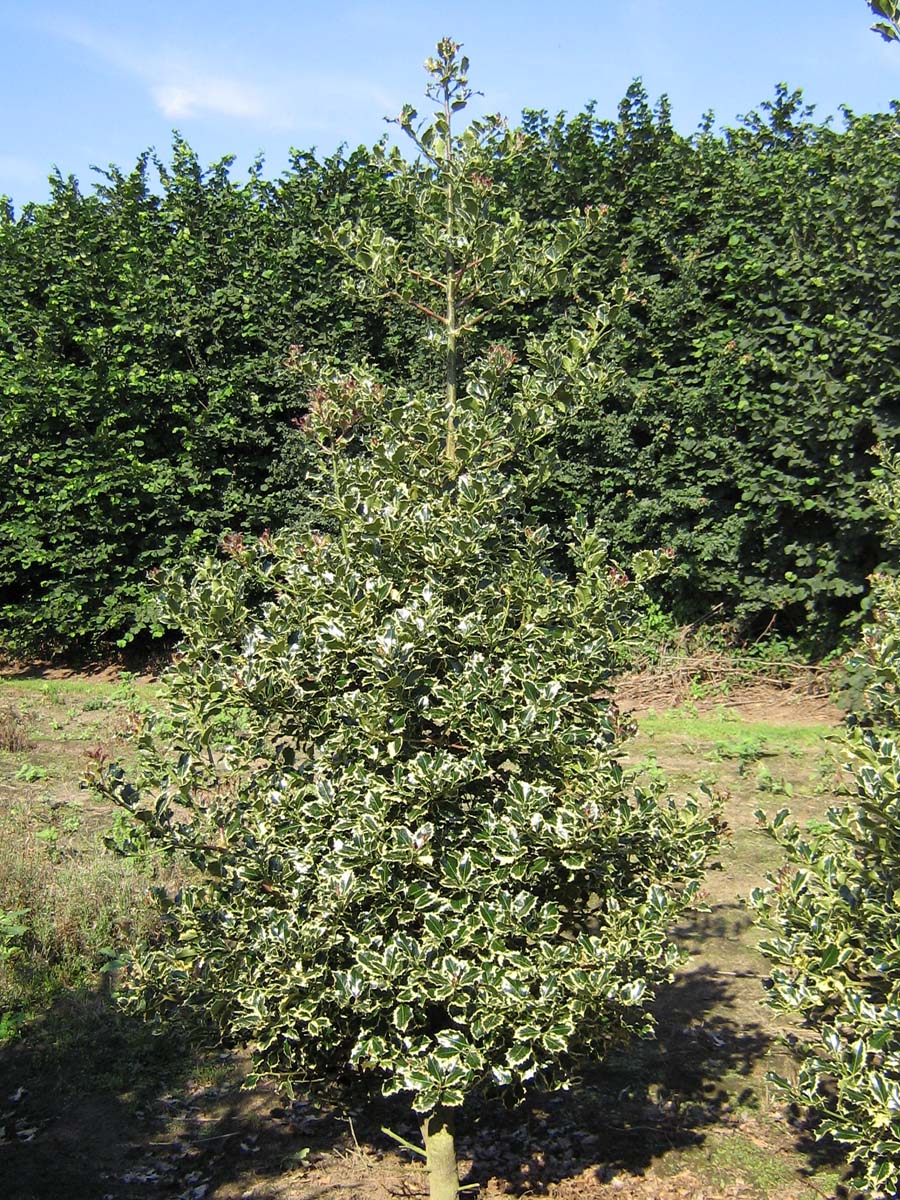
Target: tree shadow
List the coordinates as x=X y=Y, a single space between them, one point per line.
x=109 y=1110
x=95 y=1104
x=75 y=1089
x=821 y=1153
x=642 y=1102
x=147 y=659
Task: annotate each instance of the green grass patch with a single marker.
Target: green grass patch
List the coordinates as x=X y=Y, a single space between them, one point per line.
x=728 y=727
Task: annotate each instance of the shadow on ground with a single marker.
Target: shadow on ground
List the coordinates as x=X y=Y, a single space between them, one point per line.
x=93 y=1104
x=643 y=1102
x=95 y=1108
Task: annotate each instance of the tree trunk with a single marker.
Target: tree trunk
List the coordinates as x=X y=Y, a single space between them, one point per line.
x=440 y=1154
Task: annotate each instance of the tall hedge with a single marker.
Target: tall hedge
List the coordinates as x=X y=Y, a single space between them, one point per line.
x=757 y=356
x=145 y=409
x=143 y=337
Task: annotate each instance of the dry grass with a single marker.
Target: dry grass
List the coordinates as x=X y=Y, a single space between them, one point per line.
x=709 y=677
x=79 y=910
x=13 y=730
x=77 y=904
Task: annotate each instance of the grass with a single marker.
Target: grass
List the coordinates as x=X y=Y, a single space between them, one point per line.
x=724 y=725
x=719 y=994
x=693 y=1101
x=77 y=905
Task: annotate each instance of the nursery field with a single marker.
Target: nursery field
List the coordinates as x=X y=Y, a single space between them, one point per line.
x=92 y=1105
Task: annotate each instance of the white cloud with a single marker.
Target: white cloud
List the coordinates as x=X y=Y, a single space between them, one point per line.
x=185 y=81
x=179 y=84
x=187 y=96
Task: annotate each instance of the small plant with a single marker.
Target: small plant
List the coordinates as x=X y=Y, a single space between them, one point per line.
x=747 y=750
x=13 y=730
x=31 y=773
x=11 y=1022
x=52 y=693
x=71 y=823
x=12 y=930
x=771 y=785
x=649 y=768
x=127 y=837
x=49 y=835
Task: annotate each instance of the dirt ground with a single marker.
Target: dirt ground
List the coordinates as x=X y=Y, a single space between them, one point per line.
x=219 y=1142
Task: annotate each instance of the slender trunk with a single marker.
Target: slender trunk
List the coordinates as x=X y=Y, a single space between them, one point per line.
x=452 y=384
x=440 y=1154
x=452 y=364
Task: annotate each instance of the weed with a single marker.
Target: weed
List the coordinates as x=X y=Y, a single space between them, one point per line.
x=296 y=1159
x=829 y=778
x=11 y=933
x=53 y=693
x=11 y=1023
x=128 y=838
x=49 y=835
x=772 y=786
x=746 y=750
x=649 y=768
x=29 y=773
x=123 y=695
x=71 y=823
x=13 y=730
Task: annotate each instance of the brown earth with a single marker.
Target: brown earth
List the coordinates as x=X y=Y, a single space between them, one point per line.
x=219 y=1143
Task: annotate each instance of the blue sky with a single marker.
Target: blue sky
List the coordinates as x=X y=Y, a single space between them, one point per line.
x=85 y=83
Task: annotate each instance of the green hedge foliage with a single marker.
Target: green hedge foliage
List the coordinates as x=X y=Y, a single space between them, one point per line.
x=144 y=328
x=757 y=358
x=144 y=397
